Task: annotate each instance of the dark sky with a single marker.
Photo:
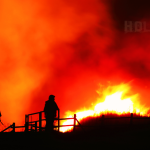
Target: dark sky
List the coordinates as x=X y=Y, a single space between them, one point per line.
x=129 y=10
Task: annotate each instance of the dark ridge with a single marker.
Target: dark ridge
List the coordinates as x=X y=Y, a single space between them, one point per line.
x=112 y=133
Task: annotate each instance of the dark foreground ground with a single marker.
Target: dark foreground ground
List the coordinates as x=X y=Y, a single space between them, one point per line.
x=102 y=138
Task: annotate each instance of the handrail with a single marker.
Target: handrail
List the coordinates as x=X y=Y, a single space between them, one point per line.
x=19 y=126
x=54 y=119
x=11 y=126
x=7 y=128
x=27 y=123
x=35 y=113
x=30 y=123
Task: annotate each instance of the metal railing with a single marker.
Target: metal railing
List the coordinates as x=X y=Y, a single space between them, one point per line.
x=34 y=123
x=11 y=126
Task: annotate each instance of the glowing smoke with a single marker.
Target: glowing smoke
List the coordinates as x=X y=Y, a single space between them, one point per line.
x=42 y=44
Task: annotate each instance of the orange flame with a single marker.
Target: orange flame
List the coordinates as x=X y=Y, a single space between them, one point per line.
x=117 y=99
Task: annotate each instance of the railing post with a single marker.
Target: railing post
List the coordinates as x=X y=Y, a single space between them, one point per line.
x=13 y=127
x=58 y=120
x=31 y=124
x=35 y=126
x=103 y=119
x=131 y=119
x=26 y=123
x=40 y=121
x=31 y=127
x=26 y=126
x=26 y=118
x=74 y=121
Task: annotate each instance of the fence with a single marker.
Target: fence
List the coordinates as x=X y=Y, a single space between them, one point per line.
x=13 y=127
x=34 y=123
x=36 y=127
x=29 y=125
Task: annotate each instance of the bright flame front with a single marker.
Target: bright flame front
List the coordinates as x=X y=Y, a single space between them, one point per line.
x=115 y=101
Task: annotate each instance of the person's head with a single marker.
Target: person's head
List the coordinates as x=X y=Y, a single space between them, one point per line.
x=52 y=97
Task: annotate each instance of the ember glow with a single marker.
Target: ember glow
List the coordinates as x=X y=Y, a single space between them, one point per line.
x=115 y=100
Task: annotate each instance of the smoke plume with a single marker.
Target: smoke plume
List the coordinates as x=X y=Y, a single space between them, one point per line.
x=68 y=48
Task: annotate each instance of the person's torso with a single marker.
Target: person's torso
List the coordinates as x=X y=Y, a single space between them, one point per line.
x=51 y=107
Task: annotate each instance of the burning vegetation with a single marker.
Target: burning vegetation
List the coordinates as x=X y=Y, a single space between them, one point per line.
x=117 y=100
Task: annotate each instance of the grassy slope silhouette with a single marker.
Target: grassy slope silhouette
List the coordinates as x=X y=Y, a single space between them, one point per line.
x=112 y=133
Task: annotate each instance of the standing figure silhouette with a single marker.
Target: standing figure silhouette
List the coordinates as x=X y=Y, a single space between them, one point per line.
x=50 y=111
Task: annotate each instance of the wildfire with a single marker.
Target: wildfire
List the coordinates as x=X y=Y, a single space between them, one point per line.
x=116 y=99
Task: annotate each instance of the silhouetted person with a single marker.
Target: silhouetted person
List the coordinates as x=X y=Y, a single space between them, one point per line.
x=50 y=110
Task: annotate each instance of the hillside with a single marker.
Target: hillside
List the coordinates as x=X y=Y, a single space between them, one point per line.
x=115 y=133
